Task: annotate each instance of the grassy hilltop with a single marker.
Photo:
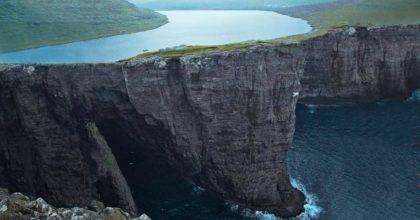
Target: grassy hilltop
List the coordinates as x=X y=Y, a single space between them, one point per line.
x=34 y=23
x=323 y=17
x=354 y=12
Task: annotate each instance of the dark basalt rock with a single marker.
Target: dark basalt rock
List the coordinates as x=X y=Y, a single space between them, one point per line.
x=360 y=64
x=223 y=120
x=20 y=207
x=228 y=129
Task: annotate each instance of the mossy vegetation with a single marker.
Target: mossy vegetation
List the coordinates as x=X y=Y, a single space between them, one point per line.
x=198 y=49
x=8 y=215
x=29 y=24
x=360 y=13
x=323 y=19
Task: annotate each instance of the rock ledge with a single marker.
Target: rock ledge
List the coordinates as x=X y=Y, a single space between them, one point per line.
x=20 y=207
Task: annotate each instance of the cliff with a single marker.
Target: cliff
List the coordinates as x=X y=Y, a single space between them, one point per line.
x=21 y=207
x=360 y=64
x=223 y=120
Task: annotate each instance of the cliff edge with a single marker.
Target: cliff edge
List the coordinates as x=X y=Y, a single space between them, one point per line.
x=224 y=120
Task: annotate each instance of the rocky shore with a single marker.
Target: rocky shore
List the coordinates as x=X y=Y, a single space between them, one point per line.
x=17 y=206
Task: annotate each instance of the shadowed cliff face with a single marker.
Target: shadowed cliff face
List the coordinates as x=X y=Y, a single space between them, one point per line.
x=233 y=118
x=50 y=144
x=223 y=120
x=359 y=64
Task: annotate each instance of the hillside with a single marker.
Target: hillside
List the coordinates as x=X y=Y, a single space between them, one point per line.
x=223 y=4
x=341 y=13
x=28 y=24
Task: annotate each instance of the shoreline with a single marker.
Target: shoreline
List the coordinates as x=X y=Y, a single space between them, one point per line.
x=286 y=11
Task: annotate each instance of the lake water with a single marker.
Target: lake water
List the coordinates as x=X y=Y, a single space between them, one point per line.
x=184 y=28
x=352 y=161
x=224 y=4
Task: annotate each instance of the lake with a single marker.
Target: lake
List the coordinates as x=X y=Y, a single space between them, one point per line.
x=223 y=4
x=184 y=28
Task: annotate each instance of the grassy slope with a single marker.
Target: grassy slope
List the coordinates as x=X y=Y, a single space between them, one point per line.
x=323 y=18
x=221 y=4
x=362 y=13
x=34 y=23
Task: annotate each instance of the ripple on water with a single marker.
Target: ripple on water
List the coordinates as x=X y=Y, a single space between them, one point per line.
x=361 y=161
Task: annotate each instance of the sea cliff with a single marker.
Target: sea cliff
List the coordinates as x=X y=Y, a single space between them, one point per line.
x=223 y=120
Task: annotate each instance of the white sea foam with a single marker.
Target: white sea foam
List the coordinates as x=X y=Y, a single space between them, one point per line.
x=312 y=210
x=265 y=216
x=3 y=208
x=197 y=190
x=312 y=108
x=415 y=96
x=259 y=215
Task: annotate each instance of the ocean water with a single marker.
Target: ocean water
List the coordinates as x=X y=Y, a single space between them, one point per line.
x=351 y=161
x=360 y=161
x=184 y=28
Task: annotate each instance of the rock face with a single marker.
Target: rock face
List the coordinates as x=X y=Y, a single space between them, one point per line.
x=21 y=207
x=360 y=64
x=223 y=120
x=48 y=148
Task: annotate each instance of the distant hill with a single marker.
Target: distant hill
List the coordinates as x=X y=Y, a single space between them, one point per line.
x=223 y=4
x=35 y=23
x=358 y=12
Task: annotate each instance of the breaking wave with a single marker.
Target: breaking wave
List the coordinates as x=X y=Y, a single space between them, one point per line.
x=415 y=95
x=312 y=210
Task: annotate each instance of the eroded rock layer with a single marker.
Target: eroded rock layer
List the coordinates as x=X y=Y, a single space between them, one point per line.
x=21 y=207
x=360 y=64
x=223 y=120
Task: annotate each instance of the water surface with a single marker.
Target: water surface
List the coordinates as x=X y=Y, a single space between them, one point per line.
x=361 y=161
x=184 y=28
x=353 y=162
x=224 y=4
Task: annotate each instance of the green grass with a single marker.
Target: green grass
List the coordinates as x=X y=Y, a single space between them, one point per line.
x=198 y=50
x=34 y=23
x=362 y=13
x=323 y=19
